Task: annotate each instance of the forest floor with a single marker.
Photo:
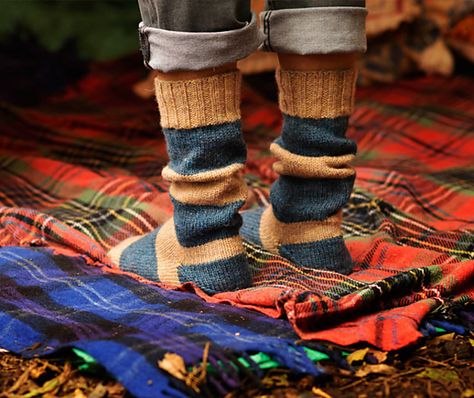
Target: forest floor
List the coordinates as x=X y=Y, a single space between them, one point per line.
x=441 y=367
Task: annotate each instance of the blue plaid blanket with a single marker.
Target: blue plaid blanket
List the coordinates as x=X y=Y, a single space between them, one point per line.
x=48 y=302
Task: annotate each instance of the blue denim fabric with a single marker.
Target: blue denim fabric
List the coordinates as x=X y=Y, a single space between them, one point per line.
x=200 y=34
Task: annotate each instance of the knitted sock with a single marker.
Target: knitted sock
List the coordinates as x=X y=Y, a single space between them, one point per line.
x=303 y=223
x=201 y=243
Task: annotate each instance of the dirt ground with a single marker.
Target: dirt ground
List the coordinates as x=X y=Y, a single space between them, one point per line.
x=443 y=367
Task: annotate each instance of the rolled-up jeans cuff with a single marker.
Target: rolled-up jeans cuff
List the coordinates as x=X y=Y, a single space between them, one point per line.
x=169 y=51
x=315 y=30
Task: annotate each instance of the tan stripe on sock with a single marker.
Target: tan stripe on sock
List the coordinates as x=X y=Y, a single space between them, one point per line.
x=170 y=254
x=215 y=187
x=316 y=94
x=186 y=104
x=311 y=166
x=274 y=233
x=167 y=260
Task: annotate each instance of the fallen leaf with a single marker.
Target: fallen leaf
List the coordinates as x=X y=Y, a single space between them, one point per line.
x=53 y=385
x=276 y=380
x=38 y=371
x=99 y=392
x=115 y=390
x=78 y=394
x=198 y=373
x=446 y=375
x=21 y=380
x=469 y=393
x=320 y=393
x=472 y=342
x=357 y=356
x=46 y=387
x=174 y=365
x=381 y=356
x=442 y=338
x=379 y=369
x=345 y=372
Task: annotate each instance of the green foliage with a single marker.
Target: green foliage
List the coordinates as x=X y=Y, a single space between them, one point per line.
x=101 y=29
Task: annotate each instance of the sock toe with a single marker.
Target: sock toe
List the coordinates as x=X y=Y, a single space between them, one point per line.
x=324 y=253
x=159 y=257
x=218 y=276
x=328 y=254
x=137 y=255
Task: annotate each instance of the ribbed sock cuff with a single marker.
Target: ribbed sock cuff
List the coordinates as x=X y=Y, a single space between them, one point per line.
x=316 y=94
x=186 y=104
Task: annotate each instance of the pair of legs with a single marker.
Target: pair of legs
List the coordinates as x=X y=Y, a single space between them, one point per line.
x=194 y=44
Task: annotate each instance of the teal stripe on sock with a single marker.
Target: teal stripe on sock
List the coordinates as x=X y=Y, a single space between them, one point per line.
x=297 y=199
x=140 y=257
x=221 y=275
x=250 y=230
x=330 y=254
x=196 y=225
x=316 y=137
x=302 y=199
x=206 y=148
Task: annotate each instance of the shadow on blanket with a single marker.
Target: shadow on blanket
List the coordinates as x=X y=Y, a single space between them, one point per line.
x=80 y=172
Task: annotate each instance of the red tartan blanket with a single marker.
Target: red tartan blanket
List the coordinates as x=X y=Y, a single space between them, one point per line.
x=81 y=172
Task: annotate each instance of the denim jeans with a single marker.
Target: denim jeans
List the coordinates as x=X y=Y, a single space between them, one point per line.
x=199 y=34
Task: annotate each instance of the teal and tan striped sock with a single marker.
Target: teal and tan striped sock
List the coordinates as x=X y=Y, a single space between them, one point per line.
x=201 y=243
x=303 y=223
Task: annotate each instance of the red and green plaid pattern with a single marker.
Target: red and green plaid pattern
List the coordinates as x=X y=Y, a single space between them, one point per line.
x=81 y=172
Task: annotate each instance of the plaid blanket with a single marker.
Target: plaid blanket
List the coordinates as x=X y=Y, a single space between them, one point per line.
x=81 y=171
x=51 y=301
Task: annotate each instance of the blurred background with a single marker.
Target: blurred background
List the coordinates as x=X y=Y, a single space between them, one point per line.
x=47 y=44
